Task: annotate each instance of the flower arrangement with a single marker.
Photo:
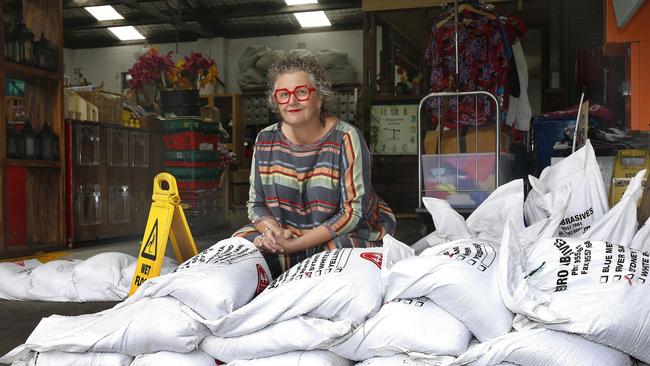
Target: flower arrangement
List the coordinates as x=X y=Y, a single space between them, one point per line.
x=193 y=72
x=150 y=69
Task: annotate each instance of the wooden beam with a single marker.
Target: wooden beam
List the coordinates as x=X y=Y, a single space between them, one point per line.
x=165 y=18
x=234 y=33
x=132 y=20
x=99 y=42
x=381 y=5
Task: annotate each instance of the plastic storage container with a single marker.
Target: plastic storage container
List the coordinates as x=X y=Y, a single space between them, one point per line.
x=190 y=140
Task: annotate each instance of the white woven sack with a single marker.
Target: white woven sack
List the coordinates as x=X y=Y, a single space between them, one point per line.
x=98 y=278
x=297 y=358
x=58 y=358
x=588 y=197
x=15 y=279
x=215 y=282
x=641 y=240
x=592 y=288
x=410 y=326
x=250 y=56
x=53 y=281
x=303 y=333
x=486 y=222
x=342 y=284
x=165 y=358
x=460 y=277
x=137 y=327
x=542 y=347
x=619 y=224
x=405 y=360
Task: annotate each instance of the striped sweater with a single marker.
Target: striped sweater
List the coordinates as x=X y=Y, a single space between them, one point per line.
x=324 y=183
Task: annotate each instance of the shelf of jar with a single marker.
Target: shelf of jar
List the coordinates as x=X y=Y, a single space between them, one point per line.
x=25 y=72
x=34 y=163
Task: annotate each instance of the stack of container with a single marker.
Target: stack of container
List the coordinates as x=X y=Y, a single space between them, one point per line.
x=192 y=157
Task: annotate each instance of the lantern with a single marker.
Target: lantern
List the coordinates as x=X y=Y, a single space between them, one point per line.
x=45 y=54
x=10 y=53
x=15 y=143
x=49 y=142
x=32 y=142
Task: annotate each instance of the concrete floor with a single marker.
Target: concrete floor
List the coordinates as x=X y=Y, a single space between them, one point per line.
x=19 y=318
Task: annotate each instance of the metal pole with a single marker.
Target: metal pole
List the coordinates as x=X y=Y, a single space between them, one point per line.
x=575 y=131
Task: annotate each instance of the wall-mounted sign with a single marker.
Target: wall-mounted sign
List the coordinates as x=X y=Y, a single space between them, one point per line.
x=394 y=129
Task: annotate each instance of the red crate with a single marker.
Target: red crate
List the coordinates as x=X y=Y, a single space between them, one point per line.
x=192 y=164
x=191 y=141
x=193 y=185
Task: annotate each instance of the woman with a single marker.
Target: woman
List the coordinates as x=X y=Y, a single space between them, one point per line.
x=310 y=177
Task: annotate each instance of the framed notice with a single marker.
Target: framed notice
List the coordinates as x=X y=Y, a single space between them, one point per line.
x=393 y=129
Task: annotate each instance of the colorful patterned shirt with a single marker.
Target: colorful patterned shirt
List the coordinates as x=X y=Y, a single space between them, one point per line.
x=325 y=183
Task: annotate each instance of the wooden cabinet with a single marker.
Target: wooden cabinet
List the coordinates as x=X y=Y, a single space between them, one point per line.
x=112 y=171
x=230 y=107
x=32 y=214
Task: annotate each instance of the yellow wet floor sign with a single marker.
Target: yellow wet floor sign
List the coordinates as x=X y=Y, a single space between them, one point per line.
x=166 y=221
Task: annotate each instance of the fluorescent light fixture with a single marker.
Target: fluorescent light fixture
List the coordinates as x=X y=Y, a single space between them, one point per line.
x=127 y=33
x=311 y=19
x=105 y=12
x=300 y=2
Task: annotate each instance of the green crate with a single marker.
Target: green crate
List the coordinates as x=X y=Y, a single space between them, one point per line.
x=192 y=155
x=183 y=124
x=194 y=173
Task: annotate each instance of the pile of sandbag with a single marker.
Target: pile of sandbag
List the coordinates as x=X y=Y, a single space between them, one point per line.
x=103 y=277
x=164 y=315
x=256 y=61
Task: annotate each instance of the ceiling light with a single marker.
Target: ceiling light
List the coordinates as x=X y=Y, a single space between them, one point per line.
x=105 y=12
x=127 y=33
x=300 y=2
x=312 y=19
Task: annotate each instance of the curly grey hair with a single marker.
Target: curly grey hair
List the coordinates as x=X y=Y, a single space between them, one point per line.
x=317 y=77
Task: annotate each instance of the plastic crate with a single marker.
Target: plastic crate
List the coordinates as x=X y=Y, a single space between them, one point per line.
x=201 y=222
x=192 y=155
x=194 y=173
x=185 y=124
x=191 y=164
x=193 y=185
x=190 y=140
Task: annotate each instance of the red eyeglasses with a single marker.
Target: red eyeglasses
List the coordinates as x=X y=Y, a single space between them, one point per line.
x=301 y=92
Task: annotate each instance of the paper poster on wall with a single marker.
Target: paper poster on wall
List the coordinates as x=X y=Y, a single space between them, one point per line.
x=393 y=129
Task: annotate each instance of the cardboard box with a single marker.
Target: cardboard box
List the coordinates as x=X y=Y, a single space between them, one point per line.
x=466 y=140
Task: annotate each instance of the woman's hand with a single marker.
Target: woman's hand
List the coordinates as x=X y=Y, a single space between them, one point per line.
x=277 y=240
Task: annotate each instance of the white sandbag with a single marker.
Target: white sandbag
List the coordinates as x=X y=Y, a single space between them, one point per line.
x=98 y=278
x=342 y=284
x=250 y=78
x=542 y=347
x=592 y=288
x=588 y=197
x=137 y=327
x=410 y=326
x=300 y=53
x=302 y=333
x=342 y=74
x=251 y=55
x=126 y=277
x=619 y=224
x=264 y=63
x=332 y=58
x=165 y=358
x=215 y=282
x=460 y=277
x=297 y=358
x=487 y=221
x=58 y=358
x=15 y=279
x=53 y=281
x=405 y=360
x=641 y=240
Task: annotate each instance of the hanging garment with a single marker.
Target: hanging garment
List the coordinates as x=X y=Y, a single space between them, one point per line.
x=519 y=110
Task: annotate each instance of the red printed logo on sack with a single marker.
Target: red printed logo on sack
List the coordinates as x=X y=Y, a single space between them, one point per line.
x=20 y=263
x=263 y=279
x=373 y=257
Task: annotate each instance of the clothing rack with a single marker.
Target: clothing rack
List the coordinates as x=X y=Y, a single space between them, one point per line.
x=457 y=93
